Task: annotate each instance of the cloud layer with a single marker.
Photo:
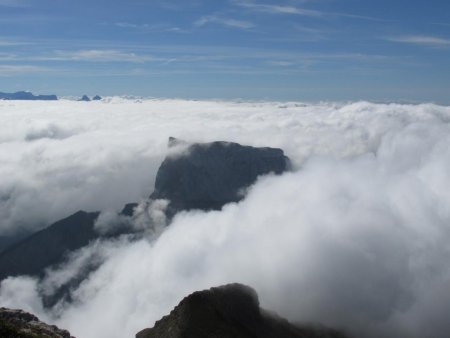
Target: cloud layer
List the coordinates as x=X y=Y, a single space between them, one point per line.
x=356 y=237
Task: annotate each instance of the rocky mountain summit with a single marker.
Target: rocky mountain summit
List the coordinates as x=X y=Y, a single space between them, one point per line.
x=20 y=324
x=229 y=311
x=203 y=176
x=207 y=176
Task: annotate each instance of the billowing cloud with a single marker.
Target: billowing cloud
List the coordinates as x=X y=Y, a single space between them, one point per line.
x=355 y=237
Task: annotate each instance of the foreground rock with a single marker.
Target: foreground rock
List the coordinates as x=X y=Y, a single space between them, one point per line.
x=26 y=96
x=207 y=176
x=230 y=311
x=20 y=324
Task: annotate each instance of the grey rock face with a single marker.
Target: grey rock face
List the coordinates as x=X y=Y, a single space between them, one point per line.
x=230 y=311
x=20 y=324
x=209 y=175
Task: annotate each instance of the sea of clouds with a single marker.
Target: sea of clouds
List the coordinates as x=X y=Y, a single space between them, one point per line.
x=355 y=237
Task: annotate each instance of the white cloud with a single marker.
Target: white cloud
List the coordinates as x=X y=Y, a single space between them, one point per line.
x=151 y=28
x=356 y=236
x=224 y=22
x=101 y=55
x=421 y=40
x=9 y=70
x=130 y=25
x=10 y=42
x=277 y=9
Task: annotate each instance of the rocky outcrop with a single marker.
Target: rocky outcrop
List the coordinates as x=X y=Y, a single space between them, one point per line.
x=96 y=98
x=20 y=324
x=207 y=176
x=26 y=96
x=230 y=311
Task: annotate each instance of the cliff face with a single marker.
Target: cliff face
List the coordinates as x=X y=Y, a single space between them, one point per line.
x=230 y=311
x=20 y=324
x=207 y=176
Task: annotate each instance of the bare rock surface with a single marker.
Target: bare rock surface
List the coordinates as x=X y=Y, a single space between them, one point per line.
x=229 y=311
x=21 y=324
x=207 y=176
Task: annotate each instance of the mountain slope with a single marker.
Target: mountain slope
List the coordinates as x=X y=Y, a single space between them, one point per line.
x=48 y=246
x=230 y=311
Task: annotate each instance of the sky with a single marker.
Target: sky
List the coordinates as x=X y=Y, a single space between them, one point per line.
x=252 y=49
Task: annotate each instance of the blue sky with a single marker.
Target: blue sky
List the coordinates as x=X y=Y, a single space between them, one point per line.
x=390 y=50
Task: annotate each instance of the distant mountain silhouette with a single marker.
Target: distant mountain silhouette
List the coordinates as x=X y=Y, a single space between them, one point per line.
x=26 y=96
x=85 y=98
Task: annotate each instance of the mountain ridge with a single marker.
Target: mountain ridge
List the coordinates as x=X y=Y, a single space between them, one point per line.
x=24 y=95
x=229 y=311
